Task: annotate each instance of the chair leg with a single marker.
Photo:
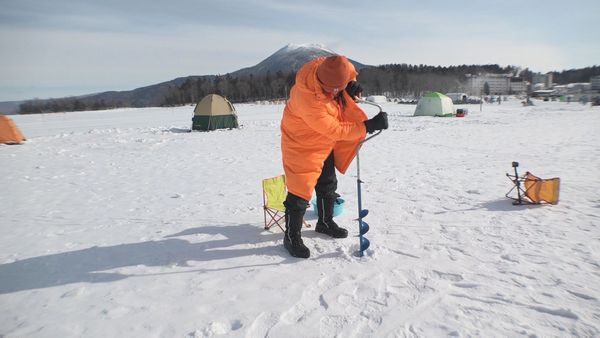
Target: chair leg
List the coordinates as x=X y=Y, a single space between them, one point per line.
x=274 y=219
x=265 y=214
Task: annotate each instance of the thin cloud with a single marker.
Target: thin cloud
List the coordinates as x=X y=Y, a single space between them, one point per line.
x=117 y=45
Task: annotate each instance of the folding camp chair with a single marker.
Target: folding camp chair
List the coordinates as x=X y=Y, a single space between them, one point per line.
x=274 y=194
x=532 y=189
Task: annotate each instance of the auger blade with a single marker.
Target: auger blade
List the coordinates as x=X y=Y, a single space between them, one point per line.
x=364 y=228
x=364 y=244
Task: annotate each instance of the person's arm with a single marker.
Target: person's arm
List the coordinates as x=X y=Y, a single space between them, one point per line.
x=315 y=115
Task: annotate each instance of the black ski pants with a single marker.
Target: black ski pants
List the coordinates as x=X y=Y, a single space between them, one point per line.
x=327 y=183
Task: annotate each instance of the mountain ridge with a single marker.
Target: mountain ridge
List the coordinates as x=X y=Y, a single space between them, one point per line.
x=287 y=59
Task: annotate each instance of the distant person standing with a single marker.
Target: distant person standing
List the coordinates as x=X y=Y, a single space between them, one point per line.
x=321 y=128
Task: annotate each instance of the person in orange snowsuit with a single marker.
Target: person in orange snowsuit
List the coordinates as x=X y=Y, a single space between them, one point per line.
x=321 y=129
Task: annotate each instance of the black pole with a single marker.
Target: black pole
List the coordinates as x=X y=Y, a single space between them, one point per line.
x=517 y=182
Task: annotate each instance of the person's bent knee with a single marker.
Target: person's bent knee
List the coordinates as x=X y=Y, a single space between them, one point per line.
x=293 y=202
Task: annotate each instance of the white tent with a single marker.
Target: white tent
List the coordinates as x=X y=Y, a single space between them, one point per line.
x=434 y=104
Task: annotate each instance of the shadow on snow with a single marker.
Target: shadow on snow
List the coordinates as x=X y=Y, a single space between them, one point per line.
x=87 y=265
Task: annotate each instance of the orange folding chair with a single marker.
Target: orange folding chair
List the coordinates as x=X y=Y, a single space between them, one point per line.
x=532 y=189
x=274 y=194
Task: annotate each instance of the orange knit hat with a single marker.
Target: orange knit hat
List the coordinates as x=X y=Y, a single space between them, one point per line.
x=335 y=72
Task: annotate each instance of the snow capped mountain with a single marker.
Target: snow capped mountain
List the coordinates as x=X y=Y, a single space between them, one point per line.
x=291 y=47
x=289 y=59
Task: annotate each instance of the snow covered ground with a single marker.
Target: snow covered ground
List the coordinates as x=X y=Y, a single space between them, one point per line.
x=122 y=224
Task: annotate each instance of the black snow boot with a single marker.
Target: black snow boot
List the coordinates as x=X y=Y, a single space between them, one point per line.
x=294 y=216
x=325 y=224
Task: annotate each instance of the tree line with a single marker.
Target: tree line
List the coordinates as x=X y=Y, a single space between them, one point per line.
x=237 y=89
x=66 y=105
x=575 y=75
x=411 y=81
x=392 y=80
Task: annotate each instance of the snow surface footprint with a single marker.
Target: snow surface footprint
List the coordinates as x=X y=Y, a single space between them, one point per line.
x=354 y=306
x=582 y=295
x=510 y=258
x=77 y=292
x=295 y=314
x=262 y=324
x=116 y=312
x=454 y=277
x=217 y=328
x=309 y=302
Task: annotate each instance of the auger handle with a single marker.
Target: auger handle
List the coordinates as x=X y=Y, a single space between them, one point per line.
x=380 y=110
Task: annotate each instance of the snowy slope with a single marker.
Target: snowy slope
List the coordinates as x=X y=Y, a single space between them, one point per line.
x=120 y=223
x=290 y=58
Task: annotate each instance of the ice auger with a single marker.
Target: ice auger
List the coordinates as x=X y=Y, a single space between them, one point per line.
x=363 y=227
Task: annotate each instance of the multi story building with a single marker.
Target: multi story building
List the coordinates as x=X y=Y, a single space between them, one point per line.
x=549 y=80
x=543 y=81
x=517 y=85
x=595 y=82
x=538 y=78
x=499 y=84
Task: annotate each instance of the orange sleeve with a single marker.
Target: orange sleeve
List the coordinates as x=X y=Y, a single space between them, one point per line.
x=315 y=113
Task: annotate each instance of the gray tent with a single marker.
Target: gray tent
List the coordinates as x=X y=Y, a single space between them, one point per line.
x=214 y=112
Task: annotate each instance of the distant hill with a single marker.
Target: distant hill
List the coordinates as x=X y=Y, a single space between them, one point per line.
x=152 y=95
x=272 y=78
x=286 y=60
x=9 y=107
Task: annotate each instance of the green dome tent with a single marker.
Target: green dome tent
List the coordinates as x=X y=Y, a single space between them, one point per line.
x=214 y=112
x=434 y=104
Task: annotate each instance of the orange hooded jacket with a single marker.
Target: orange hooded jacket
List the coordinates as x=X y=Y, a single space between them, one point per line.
x=313 y=125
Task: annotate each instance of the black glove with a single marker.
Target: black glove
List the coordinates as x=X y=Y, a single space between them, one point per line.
x=354 y=89
x=380 y=121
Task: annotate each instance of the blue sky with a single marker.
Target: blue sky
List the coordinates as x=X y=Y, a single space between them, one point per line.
x=62 y=48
